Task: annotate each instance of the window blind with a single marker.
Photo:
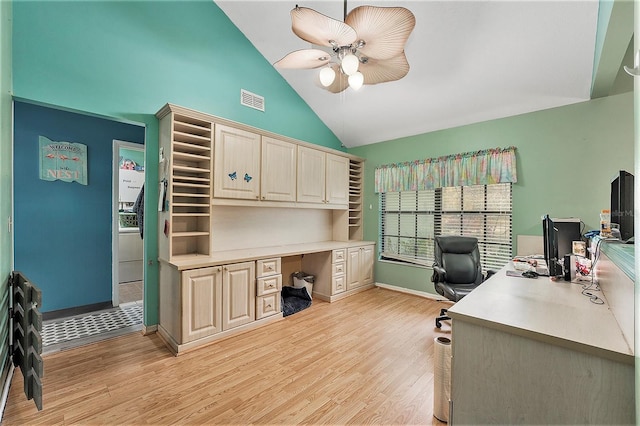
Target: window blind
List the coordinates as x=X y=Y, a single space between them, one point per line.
x=409 y=221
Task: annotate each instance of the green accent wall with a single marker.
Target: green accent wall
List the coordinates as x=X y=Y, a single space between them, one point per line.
x=127 y=59
x=6 y=255
x=566 y=158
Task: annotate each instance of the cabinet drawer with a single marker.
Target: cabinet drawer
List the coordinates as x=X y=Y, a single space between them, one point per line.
x=338 y=268
x=268 y=285
x=266 y=267
x=339 y=255
x=267 y=305
x=338 y=284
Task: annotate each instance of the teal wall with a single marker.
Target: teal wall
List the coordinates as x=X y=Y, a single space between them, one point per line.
x=566 y=158
x=127 y=59
x=5 y=178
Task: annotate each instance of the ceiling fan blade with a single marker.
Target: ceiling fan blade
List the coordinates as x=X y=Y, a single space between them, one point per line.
x=304 y=59
x=379 y=71
x=385 y=30
x=340 y=83
x=319 y=29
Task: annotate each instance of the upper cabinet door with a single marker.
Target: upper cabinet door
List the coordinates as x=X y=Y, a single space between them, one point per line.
x=337 y=180
x=311 y=175
x=236 y=163
x=278 y=178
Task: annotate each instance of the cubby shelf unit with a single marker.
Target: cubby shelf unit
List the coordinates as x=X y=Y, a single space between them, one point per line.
x=189 y=184
x=355 y=199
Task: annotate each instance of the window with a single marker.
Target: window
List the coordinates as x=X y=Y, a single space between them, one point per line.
x=409 y=221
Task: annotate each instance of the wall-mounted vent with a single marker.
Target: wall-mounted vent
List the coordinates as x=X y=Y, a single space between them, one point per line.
x=251 y=100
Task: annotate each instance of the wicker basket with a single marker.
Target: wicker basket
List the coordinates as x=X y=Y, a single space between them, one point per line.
x=128 y=220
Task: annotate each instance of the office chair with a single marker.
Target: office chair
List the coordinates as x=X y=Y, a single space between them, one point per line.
x=457 y=269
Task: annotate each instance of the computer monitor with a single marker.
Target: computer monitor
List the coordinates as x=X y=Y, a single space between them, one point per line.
x=550 y=243
x=568 y=232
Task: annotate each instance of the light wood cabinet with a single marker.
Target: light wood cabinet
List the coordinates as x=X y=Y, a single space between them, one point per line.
x=359 y=266
x=201 y=303
x=311 y=175
x=185 y=220
x=268 y=287
x=278 y=170
x=238 y=294
x=322 y=177
x=338 y=271
x=337 y=180
x=237 y=163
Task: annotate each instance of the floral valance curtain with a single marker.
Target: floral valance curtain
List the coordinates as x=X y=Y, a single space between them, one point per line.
x=471 y=168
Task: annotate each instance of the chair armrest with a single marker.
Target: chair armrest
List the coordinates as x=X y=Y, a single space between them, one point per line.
x=439 y=274
x=490 y=272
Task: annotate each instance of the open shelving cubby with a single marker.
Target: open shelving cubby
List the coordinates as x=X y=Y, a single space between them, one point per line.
x=355 y=199
x=187 y=141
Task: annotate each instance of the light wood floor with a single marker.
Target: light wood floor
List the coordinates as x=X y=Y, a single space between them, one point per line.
x=366 y=359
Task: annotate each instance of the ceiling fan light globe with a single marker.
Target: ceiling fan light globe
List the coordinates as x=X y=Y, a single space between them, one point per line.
x=350 y=64
x=356 y=80
x=327 y=76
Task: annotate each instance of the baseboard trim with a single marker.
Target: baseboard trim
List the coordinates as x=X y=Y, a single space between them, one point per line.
x=418 y=293
x=149 y=329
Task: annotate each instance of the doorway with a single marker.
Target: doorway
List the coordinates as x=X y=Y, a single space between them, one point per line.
x=127 y=247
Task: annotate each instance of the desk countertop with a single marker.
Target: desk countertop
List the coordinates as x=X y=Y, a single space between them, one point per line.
x=554 y=312
x=242 y=255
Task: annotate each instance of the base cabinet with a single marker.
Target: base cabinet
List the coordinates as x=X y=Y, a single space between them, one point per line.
x=238 y=295
x=341 y=272
x=268 y=287
x=359 y=266
x=201 y=303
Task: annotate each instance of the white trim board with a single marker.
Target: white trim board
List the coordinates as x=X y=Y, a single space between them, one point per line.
x=435 y=297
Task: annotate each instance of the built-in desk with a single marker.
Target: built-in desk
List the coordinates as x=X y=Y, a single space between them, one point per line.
x=205 y=298
x=536 y=351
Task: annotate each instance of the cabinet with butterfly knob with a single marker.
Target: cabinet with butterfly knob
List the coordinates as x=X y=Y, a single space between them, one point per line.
x=249 y=166
x=236 y=163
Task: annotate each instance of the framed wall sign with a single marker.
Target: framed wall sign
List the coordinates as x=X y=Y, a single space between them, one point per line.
x=65 y=161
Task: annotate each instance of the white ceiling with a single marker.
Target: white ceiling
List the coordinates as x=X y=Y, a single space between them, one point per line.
x=471 y=61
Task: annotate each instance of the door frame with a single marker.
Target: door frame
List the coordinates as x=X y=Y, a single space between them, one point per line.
x=115 y=217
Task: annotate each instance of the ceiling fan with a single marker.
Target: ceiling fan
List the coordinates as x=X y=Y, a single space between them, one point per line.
x=367 y=48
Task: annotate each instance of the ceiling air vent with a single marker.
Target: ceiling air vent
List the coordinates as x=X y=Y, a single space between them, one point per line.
x=251 y=100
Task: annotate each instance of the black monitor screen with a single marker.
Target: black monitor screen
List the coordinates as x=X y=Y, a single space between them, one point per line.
x=568 y=231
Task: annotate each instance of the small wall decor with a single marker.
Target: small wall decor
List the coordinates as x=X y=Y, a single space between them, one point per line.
x=65 y=161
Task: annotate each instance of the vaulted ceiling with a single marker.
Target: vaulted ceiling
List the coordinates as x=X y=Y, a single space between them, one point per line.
x=471 y=61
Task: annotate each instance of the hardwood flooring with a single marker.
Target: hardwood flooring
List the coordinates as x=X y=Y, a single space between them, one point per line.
x=365 y=359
